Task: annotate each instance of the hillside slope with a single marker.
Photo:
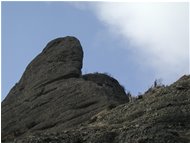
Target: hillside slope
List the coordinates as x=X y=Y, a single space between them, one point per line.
x=53 y=102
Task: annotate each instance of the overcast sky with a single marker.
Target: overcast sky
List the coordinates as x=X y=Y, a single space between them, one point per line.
x=134 y=42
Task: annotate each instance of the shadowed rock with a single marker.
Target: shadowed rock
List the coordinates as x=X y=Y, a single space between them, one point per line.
x=61 y=58
x=54 y=103
x=52 y=96
x=160 y=116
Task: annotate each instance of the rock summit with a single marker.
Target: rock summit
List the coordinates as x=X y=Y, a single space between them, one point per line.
x=54 y=102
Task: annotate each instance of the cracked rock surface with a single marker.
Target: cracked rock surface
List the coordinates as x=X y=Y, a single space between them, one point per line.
x=52 y=95
x=54 y=103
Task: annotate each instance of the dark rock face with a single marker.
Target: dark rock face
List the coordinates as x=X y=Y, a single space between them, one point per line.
x=54 y=103
x=61 y=58
x=162 y=115
x=53 y=96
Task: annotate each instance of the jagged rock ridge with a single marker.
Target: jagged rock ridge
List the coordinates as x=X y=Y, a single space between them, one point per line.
x=63 y=106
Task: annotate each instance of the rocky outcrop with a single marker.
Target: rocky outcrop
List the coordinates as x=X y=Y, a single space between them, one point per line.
x=53 y=96
x=162 y=115
x=54 y=103
x=60 y=59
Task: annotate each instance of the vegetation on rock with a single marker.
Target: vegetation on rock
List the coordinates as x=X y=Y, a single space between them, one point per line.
x=54 y=103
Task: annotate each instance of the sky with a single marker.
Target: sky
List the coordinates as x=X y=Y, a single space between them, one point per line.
x=135 y=43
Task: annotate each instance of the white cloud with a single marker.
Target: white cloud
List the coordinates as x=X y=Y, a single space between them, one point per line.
x=158 y=32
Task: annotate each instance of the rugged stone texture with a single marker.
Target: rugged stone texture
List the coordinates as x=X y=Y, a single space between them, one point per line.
x=162 y=115
x=61 y=58
x=54 y=103
x=53 y=96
